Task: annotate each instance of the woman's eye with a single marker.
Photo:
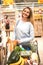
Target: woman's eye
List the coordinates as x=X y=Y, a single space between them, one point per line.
x=27 y=12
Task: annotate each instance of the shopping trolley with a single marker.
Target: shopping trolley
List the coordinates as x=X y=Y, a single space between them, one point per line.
x=34 y=43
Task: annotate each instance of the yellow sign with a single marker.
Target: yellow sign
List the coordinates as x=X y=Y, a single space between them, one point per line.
x=8 y=2
x=40 y=1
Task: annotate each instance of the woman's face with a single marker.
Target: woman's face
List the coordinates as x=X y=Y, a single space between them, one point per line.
x=26 y=13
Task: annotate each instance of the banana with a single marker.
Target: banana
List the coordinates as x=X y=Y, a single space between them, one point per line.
x=22 y=62
x=17 y=63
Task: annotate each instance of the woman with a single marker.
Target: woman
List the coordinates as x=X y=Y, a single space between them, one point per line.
x=24 y=31
x=7 y=24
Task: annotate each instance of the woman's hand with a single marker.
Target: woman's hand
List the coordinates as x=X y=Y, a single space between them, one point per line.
x=16 y=42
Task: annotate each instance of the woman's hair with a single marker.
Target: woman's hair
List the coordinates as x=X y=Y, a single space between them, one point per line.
x=30 y=17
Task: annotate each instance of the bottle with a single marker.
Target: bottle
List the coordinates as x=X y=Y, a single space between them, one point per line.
x=21 y=47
